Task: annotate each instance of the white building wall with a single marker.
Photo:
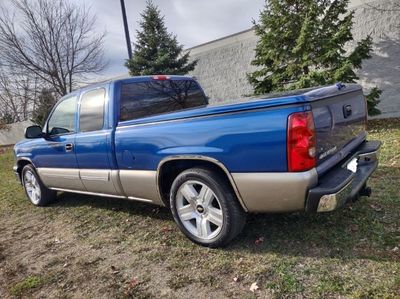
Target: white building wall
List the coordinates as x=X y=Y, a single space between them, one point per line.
x=224 y=63
x=383 y=69
x=11 y=134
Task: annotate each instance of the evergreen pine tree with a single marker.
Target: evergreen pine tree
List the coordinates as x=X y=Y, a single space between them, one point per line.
x=302 y=43
x=157 y=51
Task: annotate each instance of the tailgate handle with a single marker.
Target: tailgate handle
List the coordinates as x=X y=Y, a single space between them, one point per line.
x=347 y=110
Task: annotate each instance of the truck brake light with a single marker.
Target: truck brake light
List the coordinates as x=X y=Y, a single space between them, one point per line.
x=301 y=142
x=160 y=77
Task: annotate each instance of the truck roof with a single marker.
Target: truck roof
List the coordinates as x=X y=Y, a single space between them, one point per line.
x=131 y=79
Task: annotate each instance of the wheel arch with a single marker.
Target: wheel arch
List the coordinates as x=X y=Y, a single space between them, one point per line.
x=21 y=163
x=170 y=167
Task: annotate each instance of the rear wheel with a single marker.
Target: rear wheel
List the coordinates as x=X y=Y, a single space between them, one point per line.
x=37 y=193
x=205 y=207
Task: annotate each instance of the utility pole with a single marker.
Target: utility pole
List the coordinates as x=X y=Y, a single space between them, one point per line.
x=128 y=39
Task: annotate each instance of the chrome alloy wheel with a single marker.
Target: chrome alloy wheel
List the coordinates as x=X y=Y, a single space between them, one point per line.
x=32 y=187
x=199 y=210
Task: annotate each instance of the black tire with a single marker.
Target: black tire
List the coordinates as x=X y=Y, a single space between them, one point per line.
x=45 y=195
x=223 y=198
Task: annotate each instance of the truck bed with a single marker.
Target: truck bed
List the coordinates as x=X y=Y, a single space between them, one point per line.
x=254 y=127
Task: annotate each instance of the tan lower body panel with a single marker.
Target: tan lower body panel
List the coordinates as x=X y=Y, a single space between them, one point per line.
x=140 y=184
x=261 y=192
x=67 y=178
x=98 y=180
x=275 y=192
x=131 y=184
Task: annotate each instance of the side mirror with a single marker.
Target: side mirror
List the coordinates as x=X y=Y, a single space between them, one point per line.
x=58 y=131
x=33 y=132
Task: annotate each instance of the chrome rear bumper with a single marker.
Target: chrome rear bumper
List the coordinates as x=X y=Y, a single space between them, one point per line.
x=344 y=183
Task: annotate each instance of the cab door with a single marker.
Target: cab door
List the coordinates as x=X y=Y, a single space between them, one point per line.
x=93 y=143
x=55 y=156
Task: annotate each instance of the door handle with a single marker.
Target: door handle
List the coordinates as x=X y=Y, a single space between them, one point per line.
x=69 y=147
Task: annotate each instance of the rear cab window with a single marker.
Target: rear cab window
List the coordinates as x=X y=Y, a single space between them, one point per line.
x=91 y=115
x=154 y=97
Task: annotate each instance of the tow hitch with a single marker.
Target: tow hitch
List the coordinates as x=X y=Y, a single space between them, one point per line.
x=366 y=191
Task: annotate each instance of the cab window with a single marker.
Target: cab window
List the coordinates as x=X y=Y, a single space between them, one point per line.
x=62 y=120
x=91 y=117
x=150 y=98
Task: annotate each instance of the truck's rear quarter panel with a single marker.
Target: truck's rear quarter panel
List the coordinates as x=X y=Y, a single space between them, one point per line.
x=244 y=141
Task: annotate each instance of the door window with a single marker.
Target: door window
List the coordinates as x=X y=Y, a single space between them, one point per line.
x=62 y=120
x=92 y=111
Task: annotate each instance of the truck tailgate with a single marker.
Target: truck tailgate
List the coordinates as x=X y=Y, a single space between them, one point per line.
x=340 y=118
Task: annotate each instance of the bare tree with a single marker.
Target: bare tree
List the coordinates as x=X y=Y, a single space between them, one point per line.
x=53 y=39
x=18 y=92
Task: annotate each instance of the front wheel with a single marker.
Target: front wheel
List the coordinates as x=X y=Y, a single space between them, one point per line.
x=205 y=207
x=37 y=193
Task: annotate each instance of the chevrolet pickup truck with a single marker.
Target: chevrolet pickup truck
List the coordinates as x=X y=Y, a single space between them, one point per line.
x=155 y=139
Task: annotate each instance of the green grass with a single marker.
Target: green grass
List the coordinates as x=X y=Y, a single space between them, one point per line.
x=104 y=243
x=26 y=285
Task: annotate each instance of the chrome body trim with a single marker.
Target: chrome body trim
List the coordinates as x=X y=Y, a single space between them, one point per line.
x=102 y=194
x=18 y=171
x=19 y=159
x=95 y=178
x=203 y=158
x=140 y=199
x=26 y=159
x=86 y=192
x=275 y=192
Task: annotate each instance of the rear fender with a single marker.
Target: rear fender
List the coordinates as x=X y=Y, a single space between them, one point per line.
x=217 y=163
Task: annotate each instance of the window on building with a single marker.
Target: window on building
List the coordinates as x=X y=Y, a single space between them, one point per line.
x=157 y=97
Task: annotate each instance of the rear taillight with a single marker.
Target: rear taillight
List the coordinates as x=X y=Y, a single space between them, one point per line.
x=301 y=142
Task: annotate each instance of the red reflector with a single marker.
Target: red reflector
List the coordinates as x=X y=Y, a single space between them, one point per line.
x=301 y=142
x=160 y=77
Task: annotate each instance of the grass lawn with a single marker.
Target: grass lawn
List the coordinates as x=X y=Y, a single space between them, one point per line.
x=90 y=247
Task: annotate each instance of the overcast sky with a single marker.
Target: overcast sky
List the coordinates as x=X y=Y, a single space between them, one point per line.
x=194 y=22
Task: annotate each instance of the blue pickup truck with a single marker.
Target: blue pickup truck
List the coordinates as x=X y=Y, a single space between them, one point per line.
x=155 y=139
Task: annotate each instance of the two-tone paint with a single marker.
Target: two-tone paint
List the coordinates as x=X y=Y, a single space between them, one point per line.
x=247 y=141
